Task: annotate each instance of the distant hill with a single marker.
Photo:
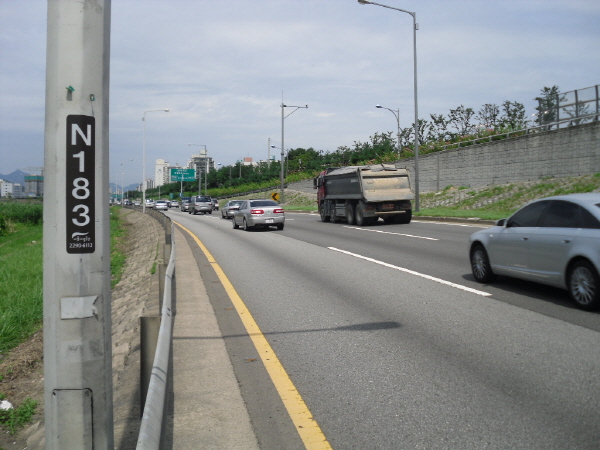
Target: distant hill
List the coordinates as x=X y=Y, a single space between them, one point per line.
x=18 y=176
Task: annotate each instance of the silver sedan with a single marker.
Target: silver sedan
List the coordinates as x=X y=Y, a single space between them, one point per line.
x=553 y=241
x=230 y=207
x=258 y=213
x=161 y=205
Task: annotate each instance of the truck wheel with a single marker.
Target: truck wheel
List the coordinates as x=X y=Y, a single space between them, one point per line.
x=332 y=215
x=404 y=218
x=360 y=215
x=350 y=213
x=323 y=212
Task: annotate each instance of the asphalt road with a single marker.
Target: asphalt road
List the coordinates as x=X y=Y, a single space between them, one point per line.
x=393 y=345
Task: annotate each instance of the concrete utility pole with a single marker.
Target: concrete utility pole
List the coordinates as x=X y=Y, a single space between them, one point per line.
x=77 y=296
x=283 y=117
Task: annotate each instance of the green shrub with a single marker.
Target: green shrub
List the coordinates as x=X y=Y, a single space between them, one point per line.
x=15 y=418
x=24 y=213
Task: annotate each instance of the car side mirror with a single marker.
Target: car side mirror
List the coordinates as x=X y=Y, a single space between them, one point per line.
x=501 y=222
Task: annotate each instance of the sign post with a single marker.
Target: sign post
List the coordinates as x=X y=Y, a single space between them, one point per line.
x=77 y=313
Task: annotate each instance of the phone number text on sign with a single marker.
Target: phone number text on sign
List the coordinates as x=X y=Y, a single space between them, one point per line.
x=80 y=187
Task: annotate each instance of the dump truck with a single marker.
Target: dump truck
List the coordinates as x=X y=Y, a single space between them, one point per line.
x=363 y=194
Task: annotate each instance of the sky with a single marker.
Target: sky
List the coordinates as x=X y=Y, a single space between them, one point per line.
x=223 y=68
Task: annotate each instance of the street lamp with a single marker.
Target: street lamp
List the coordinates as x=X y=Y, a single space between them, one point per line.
x=144 y=158
x=283 y=106
x=397 y=115
x=206 y=174
x=123 y=180
x=415 y=28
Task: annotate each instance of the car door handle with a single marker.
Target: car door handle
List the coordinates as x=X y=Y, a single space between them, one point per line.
x=525 y=238
x=566 y=241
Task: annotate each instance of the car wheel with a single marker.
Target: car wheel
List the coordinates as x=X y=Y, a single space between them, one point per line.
x=246 y=227
x=480 y=265
x=222 y=215
x=584 y=285
x=235 y=225
x=280 y=226
x=350 y=213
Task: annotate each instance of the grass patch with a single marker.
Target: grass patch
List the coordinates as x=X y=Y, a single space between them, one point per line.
x=451 y=212
x=21 y=278
x=118 y=238
x=21 y=285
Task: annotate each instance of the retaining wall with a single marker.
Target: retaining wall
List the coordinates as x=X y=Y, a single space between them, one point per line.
x=571 y=151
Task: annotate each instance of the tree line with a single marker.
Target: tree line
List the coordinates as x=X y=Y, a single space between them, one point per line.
x=461 y=124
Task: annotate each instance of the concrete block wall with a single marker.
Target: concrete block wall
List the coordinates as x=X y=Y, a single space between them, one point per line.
x=565 y=152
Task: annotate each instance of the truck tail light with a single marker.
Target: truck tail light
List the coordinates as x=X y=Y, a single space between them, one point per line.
x=278 y=211
x=256 y=211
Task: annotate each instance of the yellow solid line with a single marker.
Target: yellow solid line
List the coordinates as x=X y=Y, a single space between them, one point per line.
x=306 y=425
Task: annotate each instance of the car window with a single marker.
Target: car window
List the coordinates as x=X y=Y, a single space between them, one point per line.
x=264 y=203
x=528 y=216
x=564 y=214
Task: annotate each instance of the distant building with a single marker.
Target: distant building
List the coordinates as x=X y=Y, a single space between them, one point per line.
x=11 y=190
x=161 y=172
x=34 y=185
x=201 y=163
x=149 y=184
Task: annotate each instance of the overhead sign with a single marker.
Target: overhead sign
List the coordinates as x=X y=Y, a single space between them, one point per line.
x=81 y=182
x=183 y=174
x=275 y=196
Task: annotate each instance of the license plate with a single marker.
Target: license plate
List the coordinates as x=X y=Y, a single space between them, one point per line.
x=387 y=207
x=268 y=220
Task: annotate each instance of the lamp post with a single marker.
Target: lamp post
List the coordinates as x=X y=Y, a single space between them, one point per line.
x=206 y=174
x=286 y=159
x=283 y=106
x=415 y=28
x=397 y=115
x=144 y=158
x=123 y=180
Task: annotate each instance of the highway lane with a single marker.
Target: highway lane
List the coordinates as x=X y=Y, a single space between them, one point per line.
x=440 y=250
x=386 y=359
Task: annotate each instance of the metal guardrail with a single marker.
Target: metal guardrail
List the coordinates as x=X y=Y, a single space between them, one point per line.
x=154 y=416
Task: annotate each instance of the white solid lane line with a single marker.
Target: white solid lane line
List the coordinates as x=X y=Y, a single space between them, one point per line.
x=389 y=232
x=412 y=272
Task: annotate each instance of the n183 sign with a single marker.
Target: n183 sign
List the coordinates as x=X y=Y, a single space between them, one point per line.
x=80 y=192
